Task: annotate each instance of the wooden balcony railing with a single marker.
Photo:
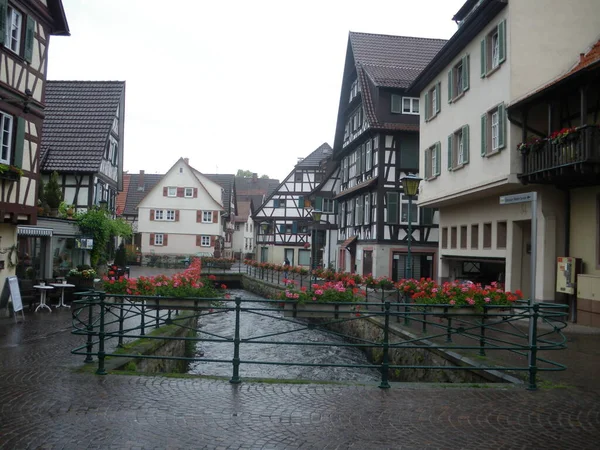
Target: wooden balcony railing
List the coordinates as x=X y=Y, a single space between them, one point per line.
x=578 y=154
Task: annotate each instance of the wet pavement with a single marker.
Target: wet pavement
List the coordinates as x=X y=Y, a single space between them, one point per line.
x=45 y=404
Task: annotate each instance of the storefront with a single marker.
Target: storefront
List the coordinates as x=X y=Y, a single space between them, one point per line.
x=34 y=250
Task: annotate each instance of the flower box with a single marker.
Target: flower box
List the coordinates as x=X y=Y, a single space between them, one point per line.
x=465 y=311
x=176 y=303
x=318 y=310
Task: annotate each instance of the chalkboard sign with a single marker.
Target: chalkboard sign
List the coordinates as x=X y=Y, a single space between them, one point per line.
x=15 y=294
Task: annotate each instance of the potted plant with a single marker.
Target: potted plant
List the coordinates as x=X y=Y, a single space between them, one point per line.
x=82 y=276
x=53 y=194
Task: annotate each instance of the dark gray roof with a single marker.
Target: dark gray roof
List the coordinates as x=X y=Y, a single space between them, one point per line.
x=393 y=61
x=138 y=190
x=315 y=159
x=254 y=186
x=227 y=182
x=77 y=123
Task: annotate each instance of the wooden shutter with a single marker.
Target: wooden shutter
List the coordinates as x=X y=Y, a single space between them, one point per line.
x=427 y=216
x=165 y=240
x=319 y=203
x=301 y=202
x=198 y=240
x=465 y=73
x=483 y=58
x=501 y=126
x=195 y=192
x=19 y=142
x=3 y=8
x=180 y=192
x=438 y=162
x=151 y=238
x=198 y=216
x=165 y=191
x=212 y=241
x=438 y=97
x=282 y=228
x=450 y=86
x=392 y=207
x=427 y=107
x=275 y=203
x=450 y=152
x=29 y=34
x=151 y=214
x=428 y=163
x=294 y=227
x=502 y=41
x=215 y=216
x=465 y=142
x=483 y=135
x=176 y=215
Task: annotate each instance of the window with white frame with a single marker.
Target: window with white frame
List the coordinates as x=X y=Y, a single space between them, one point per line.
x=458 y=79
x=14 y=24
x=6 y=127
x=158 y=239
x=349 y=214
x=493 y=130
x=170 y=215
x=458 y=148
x=354 y=90
x=433 y=158
x=159 y=214
x=172 y=191
x=493 y=49
x=358 y=210
x=188 y=192
x=207 y=217
x=414 y=211
x=205 y=241
x=367 y=212
x=432 y=101
x=368 y=155
x=410 y=105
x=328 y=205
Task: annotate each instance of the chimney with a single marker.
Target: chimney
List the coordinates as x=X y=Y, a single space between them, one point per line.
x=187 y=161
x=141 y=181
x=581 y=56
x=254 y=177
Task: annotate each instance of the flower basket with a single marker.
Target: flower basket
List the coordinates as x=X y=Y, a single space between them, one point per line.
x=81 y=283
x=318 y=310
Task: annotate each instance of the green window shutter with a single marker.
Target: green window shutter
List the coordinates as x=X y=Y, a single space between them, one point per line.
x=427 y=113
x=450 y=86
x=294 y=227
x=465 y=73
x=483 y=58
x=438 y=96
x=19 y=142
x=276 y=203
x=483 y=135
x=465 y=138
x=359 y=168
x=392 y=207
x=301 y=202
x=319 y=203
x=450 y=152
x=502 y=41
x=427 y=163
x=335 y=207
x=282 y=228
x=396 y=103
x=427 y=215
x=29 y=33
x=501 y=126
x=438 y=161
x=3 y=8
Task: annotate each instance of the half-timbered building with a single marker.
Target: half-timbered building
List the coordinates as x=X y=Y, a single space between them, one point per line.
x=83 y=140
x=376 y=143
x=283 y=220
x=25 y=30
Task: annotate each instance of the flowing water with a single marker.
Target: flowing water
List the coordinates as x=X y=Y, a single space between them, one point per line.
x=252 y=325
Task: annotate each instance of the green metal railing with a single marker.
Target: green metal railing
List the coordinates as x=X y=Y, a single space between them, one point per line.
x=520 y=333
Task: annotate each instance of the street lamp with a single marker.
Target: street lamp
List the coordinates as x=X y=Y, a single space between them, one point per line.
x=410 y=186
x=316 y=216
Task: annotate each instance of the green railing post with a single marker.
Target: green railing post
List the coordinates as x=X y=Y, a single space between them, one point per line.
x=482 y=334
x=406 y=310
x=449 y=326
x=143 y=319
x=90 y=330
x=382 y=300
x=121 y=321
x=533 y=316
x=385 y=365
x=157 y=315
x=235 y=379
x=101 y=355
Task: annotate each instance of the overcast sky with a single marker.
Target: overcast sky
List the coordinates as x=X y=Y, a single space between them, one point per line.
x=231 y=85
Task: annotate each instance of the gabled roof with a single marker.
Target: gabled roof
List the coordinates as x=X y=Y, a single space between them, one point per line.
x=59 y=27
x=227 y=182
x=393 y=61
x=122 y=196
x=243 y=211
x=315 y=159
x=77 y=123
x=139 y=186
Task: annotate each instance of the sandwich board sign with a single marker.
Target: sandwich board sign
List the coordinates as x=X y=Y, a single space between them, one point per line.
x=11 y=289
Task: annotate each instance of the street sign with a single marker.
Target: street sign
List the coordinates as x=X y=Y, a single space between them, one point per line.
x=516 y=198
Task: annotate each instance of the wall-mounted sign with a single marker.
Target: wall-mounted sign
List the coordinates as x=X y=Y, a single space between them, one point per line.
x=84 y=243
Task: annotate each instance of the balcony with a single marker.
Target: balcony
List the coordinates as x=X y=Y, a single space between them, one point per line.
x=572 y=162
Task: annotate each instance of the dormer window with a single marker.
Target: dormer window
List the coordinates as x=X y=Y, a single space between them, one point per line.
x=405 y=105
x=354 y=90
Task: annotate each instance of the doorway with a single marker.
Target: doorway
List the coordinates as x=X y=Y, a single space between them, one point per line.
x=289 y=254
x=367 y=262
x=264 y=254
x=422 y=266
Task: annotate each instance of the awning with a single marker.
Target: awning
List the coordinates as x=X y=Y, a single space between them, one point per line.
x=33 y=231
x=351 y=240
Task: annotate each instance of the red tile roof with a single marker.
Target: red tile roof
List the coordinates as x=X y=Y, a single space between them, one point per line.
x=122 y=197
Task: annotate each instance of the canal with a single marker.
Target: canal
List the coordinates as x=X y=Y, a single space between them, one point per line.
x=252 y=325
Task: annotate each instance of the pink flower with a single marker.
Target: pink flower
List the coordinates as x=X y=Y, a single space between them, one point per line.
x=434 y=290
x=487 y=299
x=319 y=292
x=470 y=301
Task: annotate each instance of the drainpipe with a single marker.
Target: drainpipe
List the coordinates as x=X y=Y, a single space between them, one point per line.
x=568 y=222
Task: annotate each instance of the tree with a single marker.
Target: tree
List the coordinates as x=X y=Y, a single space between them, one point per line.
x=53 y=192
x=248 y=174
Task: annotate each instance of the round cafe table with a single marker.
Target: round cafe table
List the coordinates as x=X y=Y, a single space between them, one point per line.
x=43 y=289
x=62 y=287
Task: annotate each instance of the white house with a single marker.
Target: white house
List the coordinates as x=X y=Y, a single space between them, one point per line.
x=181 y=214
x=501 y=51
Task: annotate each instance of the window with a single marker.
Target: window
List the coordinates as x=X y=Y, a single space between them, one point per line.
x=349 y=213
x=487 y=235
x=493 y=49
x=392 y=207
x=493 y=130
x=298 y=177
x=414 y=211
x=445 y=237
x=368 y=155
x=237 y=227
x=171 y=191
x=410 y=105
x=453 y=236
x=14 y=21
x=367 y=214
x=328 y=205
x=358 y=211
x=354 y=90
x=207 y=217
x=204 y=241
x=304 y=257
x=458 y=148
x=458 y=79
x=170 y=216
x=463 y=236
x=433 y=163
x=188 y=192
x=475 y=236
x=159 y=214
x=432 y=101
x=6 y=125
x=158 y=239
x=501 y=235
